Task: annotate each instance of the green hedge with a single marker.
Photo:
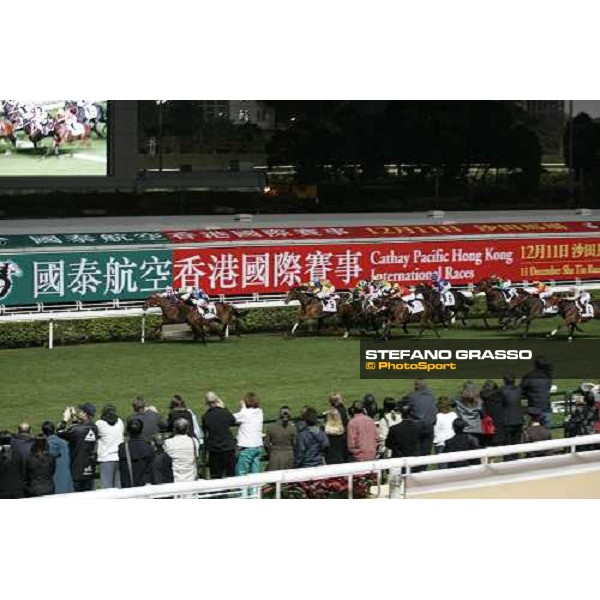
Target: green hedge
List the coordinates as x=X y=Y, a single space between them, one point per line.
x=123 y=329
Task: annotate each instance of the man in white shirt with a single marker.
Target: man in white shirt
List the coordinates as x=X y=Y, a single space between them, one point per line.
x=183 y=450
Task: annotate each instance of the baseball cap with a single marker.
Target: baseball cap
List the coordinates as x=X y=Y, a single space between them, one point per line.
x=87 y=408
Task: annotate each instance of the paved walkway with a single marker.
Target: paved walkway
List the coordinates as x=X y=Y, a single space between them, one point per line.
x=567 y=487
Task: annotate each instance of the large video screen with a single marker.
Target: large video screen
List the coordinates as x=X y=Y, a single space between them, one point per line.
x=42 y=138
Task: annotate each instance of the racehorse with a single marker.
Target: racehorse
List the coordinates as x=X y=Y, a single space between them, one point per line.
x=496 y=303
x=7 y=131
x=35 y=133
x=398 y=313
x=11 y=110
x=63 y=135
x=311 y=309
x=529 y=309
x=82 y=117
x=175 y=312
x=357 y=313
x=572 y=318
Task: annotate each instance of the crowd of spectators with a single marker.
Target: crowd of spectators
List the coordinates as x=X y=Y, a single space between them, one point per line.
x=147 y=448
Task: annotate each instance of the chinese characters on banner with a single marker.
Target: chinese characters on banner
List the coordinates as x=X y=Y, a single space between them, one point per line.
x=236 y=270
x=375 y=231
x=241 y=269
x=53 y=278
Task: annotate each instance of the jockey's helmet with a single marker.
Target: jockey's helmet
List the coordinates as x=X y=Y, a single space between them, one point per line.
x=189 y=290
x=315 y=281
x=168 y=289
x=435 y=276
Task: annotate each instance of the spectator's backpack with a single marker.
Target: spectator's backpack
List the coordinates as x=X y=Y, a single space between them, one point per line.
x=333 y=422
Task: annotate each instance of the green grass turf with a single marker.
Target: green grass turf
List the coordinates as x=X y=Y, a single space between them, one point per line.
x=38 y=383
x=28 y=162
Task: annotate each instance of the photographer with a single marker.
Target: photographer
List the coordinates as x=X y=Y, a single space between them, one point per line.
x=77 y=428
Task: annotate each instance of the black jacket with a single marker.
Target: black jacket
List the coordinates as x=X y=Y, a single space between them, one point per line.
x=511 y=405
x=181 y=413
x=162 y=468
x=12 y=473
x=461 y=443
x=22 y=444
x=403 y=439
x=424 y=407
x=82 y=439
x=535 y=386
x=311 y=443
x=153 y=423
x=141 y=454
x=492 y=406
x=217 y=435
x=40 y=474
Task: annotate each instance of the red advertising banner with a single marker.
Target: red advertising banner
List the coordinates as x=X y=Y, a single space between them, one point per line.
x=263 y=269
x=377 y=231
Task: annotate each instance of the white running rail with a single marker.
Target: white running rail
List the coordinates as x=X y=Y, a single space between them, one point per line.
x=249 y=486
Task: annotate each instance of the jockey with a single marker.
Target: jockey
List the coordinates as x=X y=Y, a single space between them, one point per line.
x=441 y=285
x=40 y=119
x=90 y=111
x=27 y=111
x=541 y=290
x=387 y=289
x=396 y=290
x=327 y=295
x=71 y=121
x=360 y=288
x=314 y=286
x=169 y=293
x=581 y=297
x=408 y=295
x=505 y=286
x=201 y=300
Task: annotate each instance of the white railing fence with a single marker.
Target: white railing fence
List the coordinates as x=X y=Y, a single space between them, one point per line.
x=401 y=472
x=134 y=308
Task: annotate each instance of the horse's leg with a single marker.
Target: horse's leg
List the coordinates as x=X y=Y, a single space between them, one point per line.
x=430 y=325
x=559 y=328
x=293 y=332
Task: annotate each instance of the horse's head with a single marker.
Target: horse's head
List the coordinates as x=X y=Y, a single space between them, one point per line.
x=295 y=294
x=555 y=300
x=486 y=284
x=154 y=300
